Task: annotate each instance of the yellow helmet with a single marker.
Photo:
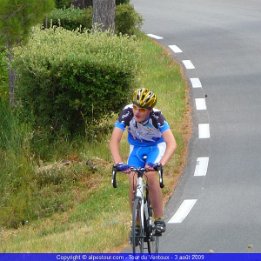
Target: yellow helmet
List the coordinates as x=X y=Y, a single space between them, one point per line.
x=144 y=98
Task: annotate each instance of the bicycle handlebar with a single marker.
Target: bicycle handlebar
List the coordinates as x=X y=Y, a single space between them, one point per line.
x=140 y=172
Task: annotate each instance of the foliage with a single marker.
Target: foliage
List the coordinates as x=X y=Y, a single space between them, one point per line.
x=16 y=168
x=77 y=79
x=127 y=20
x=62 y=3
x=3 y=76
x=70 y=18
x=17 y=17
x=119 y=2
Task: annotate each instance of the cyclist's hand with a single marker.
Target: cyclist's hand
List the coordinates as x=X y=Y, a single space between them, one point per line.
x=122 y=167
x=153 y=166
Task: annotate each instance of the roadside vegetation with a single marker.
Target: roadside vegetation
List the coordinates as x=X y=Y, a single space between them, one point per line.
x=55 y=189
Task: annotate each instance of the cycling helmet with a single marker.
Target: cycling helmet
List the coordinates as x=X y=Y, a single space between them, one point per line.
x=144 y=98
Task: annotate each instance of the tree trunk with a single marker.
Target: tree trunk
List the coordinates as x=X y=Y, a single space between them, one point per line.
x=104 y=14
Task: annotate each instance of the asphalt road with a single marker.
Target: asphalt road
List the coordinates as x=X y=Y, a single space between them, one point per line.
x=219 y=209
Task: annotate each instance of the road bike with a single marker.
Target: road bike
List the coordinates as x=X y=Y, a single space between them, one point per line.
x=143 y=236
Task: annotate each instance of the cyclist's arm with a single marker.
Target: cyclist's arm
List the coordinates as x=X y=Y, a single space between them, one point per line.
x=170 y=146
x=115 y=144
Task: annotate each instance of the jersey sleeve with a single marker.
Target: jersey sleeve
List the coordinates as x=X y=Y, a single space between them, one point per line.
x=164 y=126
x=124 y=118
x=159 y=121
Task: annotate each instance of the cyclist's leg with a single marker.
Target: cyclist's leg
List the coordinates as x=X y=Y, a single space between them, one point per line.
x=155 y=192
x=135 y=160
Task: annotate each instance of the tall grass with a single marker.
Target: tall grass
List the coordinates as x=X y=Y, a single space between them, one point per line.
x=75 y=207
x=16 y=170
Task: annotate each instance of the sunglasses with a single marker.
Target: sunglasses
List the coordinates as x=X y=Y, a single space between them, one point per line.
x=136 y=108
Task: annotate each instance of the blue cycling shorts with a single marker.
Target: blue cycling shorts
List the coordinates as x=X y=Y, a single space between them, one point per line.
x=140 y=156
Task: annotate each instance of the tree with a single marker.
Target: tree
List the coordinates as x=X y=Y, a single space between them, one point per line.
x=104 y=14
x=82 y=3
x=16 y=19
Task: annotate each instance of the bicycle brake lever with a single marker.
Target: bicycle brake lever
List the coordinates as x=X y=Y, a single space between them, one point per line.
x=113 y=180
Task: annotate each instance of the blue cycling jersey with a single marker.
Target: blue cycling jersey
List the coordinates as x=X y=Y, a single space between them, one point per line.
x=147 y=133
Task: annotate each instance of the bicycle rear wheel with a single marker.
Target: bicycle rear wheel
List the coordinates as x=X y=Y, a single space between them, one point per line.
x=137 y=232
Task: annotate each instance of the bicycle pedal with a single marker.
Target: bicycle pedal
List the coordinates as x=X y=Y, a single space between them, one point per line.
x=158 y=233
x=152 y=239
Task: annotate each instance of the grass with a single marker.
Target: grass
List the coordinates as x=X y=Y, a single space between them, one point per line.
x=78 y=210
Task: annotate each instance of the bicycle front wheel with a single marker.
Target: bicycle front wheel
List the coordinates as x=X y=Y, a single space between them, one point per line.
x=153 y=244
x=137 y=231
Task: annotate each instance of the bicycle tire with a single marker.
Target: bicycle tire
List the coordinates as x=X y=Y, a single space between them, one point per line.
x=137 y=236
x=152 y=240
x=153 y=244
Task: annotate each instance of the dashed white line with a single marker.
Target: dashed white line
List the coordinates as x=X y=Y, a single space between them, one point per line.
x=188 y=64
x=183 y=211
x=201 y=104
x=195 y=82
x=203 y=131
x=155 y=36
x=175 y=48
x=201 y=167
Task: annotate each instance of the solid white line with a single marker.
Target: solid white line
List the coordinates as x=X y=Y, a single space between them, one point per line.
x=203 y=131
x=155 y=36
x=175 y=48
x=195 y=83
x=201 y=167
x=188 y=64
x=201 y=104
x=183 y=211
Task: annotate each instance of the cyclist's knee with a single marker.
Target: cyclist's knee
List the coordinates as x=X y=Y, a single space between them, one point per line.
x=152 y=178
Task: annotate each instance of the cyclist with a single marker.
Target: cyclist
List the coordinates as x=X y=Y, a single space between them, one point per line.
x=151 y=142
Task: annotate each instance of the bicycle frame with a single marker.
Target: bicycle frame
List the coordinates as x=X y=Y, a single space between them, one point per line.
x=140 y=204
x=139 y=193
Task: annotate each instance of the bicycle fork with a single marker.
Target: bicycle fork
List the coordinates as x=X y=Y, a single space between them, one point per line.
x=140 y=196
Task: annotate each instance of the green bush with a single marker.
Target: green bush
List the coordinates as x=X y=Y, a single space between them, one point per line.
x=76 y=79
x=119 y=2
x=62 y=3
x=127 y=20
x=70 y=18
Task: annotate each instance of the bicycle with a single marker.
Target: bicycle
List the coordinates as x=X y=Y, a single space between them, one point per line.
x=142 y=211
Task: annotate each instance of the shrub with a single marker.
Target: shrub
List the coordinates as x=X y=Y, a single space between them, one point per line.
x=119 y=2
x=62 y=3
x=70 y=18
x=127 y=20
x=76 y=79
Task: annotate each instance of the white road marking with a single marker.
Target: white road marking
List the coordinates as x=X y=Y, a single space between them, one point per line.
x=175 y=48
x=195 y=82
x=155 y=36
x=203 y=131
x=188 y=64
x=201 y=167
x=183 y=211
x=201 y=104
